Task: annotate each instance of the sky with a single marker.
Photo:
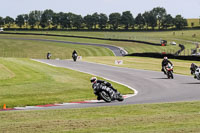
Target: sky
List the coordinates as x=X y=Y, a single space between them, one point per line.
x=186 y=8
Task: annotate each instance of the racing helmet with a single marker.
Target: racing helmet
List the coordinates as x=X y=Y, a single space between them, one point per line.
x=165 y=58
x=93 y=79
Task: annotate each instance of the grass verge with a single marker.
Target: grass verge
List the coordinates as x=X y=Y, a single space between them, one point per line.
x=145 y=118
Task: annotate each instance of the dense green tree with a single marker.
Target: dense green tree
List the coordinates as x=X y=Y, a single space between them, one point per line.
x=1 y=22
x=32 y=20
x=139 y=21
x=8 y=21
x=88 y=19
x=26 y=17
x=37 y=16
x=77 y=21
x=103 y=19
x=114 y=20
x=167 y=21
x=152 y=20
x=127 y=19
x=46 y=18
x=20 y=20
x=159 y=13
x=180 y=22
x=95 y=19
x=55 y=20
x=64 y=20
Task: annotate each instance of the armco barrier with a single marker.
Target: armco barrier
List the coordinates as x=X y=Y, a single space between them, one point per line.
x=170 y=56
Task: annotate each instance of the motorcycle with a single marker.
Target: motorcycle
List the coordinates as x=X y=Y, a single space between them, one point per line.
x=195 y=70
x=74 y=56
x=169 y=71
x=106 y=93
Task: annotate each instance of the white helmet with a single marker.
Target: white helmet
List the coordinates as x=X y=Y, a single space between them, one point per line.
x=93 y=79
x=165 y=58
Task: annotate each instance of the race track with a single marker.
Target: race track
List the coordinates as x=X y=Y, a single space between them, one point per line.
x=152 y=87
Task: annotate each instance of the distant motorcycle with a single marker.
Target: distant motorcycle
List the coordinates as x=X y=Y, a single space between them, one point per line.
x=74 y=56
x=107 y=94
x=169 y=71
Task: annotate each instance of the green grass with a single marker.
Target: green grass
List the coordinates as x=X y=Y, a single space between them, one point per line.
x=38 y=49
x=31 y=83
x=145 y=63
x=184 y=37
x=143 y=118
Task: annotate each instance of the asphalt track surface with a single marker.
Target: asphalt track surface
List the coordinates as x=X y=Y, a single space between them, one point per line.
x=152 y=87
x=117 y=51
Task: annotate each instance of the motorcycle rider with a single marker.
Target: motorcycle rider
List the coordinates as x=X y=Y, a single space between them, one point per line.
x=48 y=55
x=95 y=82
x=193 y=68
x=74 y=52
x=164 y=63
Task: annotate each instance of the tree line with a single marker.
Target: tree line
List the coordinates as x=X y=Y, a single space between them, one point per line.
x=48 y=19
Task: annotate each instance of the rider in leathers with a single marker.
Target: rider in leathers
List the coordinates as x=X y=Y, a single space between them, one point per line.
x=95 y=84
x=164 y=63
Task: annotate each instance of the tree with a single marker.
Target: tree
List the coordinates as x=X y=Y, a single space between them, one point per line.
x=139 y=21
x=103 y=19
x=77 y=21
x=95 y=19
x=159 y=13
x=152 y=20
x=180 y=22
x=88 y=19
x=64 y=20
x=8 y=21
x=127 y=19
x=37 y=16
x=31 y=20
x=114 y=20
x=20 y=20
x=46 y=18
x=167 y=21
x=1 y=22
x=26 y=17
x=55 y=20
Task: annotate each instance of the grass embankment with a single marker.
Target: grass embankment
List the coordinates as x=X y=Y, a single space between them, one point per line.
x=145 y=118
x=38 y=49
x=145 y=63
x=25 y=82
x=185 y=37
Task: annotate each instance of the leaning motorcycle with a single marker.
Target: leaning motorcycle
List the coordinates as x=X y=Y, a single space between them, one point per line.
x=169 y=71
x=107 y=94
x=197 y=73
x=74 y=56
x=195 y=70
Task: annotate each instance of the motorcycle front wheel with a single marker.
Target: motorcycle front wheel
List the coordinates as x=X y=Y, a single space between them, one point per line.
x=105 y=96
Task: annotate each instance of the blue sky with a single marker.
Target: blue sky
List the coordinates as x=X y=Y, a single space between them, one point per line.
x=187 y=8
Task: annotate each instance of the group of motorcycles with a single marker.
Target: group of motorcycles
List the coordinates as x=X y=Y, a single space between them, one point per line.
x=195 y=70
